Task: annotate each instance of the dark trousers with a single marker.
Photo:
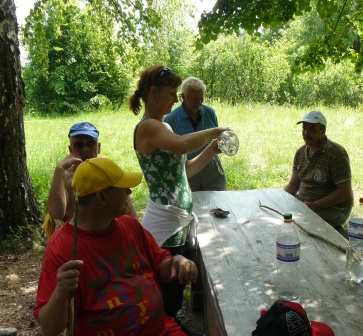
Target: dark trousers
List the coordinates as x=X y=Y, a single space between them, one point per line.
x=173 y=291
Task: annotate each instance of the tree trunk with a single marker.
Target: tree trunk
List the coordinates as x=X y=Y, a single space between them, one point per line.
x=18 y=206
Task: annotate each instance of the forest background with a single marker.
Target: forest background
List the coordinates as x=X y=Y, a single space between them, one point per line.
x=81 y=63
x=80 y=58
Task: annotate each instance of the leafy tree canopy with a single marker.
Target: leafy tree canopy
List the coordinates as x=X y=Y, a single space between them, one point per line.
x=84 y=54
x=173 y=41
x=135 y=19
x=341 y=37
x=80 y=53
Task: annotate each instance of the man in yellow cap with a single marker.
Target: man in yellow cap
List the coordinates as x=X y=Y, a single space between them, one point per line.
x=118 y=265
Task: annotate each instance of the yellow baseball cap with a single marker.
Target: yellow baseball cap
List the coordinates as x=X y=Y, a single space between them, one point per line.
x=97 y=174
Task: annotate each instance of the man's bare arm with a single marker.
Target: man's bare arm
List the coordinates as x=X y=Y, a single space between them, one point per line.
x=294 y=184
x=53 y=317
x=58 y=195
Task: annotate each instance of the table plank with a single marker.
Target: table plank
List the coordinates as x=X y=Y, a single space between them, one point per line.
x=239 y=267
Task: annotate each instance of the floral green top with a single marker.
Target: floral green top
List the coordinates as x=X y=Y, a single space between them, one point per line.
x=166 y=177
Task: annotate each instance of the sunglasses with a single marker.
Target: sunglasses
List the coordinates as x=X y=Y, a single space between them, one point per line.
x=163 y=72
x=80 y=144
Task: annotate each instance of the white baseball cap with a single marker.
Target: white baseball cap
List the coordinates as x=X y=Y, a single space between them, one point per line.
x=313 y=117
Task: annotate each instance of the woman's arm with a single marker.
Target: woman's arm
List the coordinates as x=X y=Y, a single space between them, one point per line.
x=196 y=164
x=152 y=134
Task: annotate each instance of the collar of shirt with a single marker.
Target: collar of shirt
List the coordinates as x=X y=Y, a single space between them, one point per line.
x=193 y=122
x=322 y=147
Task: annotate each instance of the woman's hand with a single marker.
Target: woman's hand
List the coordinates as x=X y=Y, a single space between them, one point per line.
x=213 y=146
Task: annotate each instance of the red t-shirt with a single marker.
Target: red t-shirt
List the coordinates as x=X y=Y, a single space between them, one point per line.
x=117 y=293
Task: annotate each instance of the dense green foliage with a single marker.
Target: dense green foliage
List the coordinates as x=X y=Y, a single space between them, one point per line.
x=75 y=62
x=341 y=23
x=82 y=57
x=86 y=54
x=268 y=137
x=238 y=69
x=171 y=43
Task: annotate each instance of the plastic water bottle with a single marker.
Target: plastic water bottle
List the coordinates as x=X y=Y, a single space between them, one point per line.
x=288 y=256
x=354 y=265
x=228 y=143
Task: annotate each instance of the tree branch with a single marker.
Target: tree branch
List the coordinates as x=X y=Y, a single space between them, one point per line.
x=312 y=234
x=340 y=16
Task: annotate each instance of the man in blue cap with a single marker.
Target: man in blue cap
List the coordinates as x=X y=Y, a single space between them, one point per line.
x=83 y=145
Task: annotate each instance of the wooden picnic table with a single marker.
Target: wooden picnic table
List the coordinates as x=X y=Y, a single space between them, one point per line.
x=237 y=263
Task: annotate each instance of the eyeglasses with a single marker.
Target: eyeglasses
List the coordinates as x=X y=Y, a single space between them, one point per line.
x=80 y=144
x=163 y=72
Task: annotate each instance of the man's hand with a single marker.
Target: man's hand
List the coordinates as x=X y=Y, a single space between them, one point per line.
x=60 y=194
x=69 y=161
x=68 y=278
x=53 y=316
x=183 y=269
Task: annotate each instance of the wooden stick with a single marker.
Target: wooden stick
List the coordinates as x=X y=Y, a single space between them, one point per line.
x=311 y=234
x=74 y=255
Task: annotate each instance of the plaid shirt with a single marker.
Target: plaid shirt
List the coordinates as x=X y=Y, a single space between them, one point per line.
x=320 y=173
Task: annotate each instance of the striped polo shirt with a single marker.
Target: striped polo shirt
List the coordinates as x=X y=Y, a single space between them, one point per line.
x=320 y=173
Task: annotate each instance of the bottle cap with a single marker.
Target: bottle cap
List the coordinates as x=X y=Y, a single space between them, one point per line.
x=287 y=216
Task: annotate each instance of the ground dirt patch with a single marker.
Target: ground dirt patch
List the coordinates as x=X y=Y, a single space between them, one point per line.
x=18 y=285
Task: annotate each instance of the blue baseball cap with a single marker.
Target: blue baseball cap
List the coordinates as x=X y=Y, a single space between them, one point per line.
x=83 y=128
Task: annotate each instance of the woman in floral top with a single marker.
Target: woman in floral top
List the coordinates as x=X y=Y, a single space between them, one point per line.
x=162 y=158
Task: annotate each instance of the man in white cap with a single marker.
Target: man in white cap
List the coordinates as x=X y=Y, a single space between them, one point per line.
x=83 y=145
x=118 y=266
x=321 y=175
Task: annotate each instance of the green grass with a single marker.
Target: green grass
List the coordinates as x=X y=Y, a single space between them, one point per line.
x=268 y=137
